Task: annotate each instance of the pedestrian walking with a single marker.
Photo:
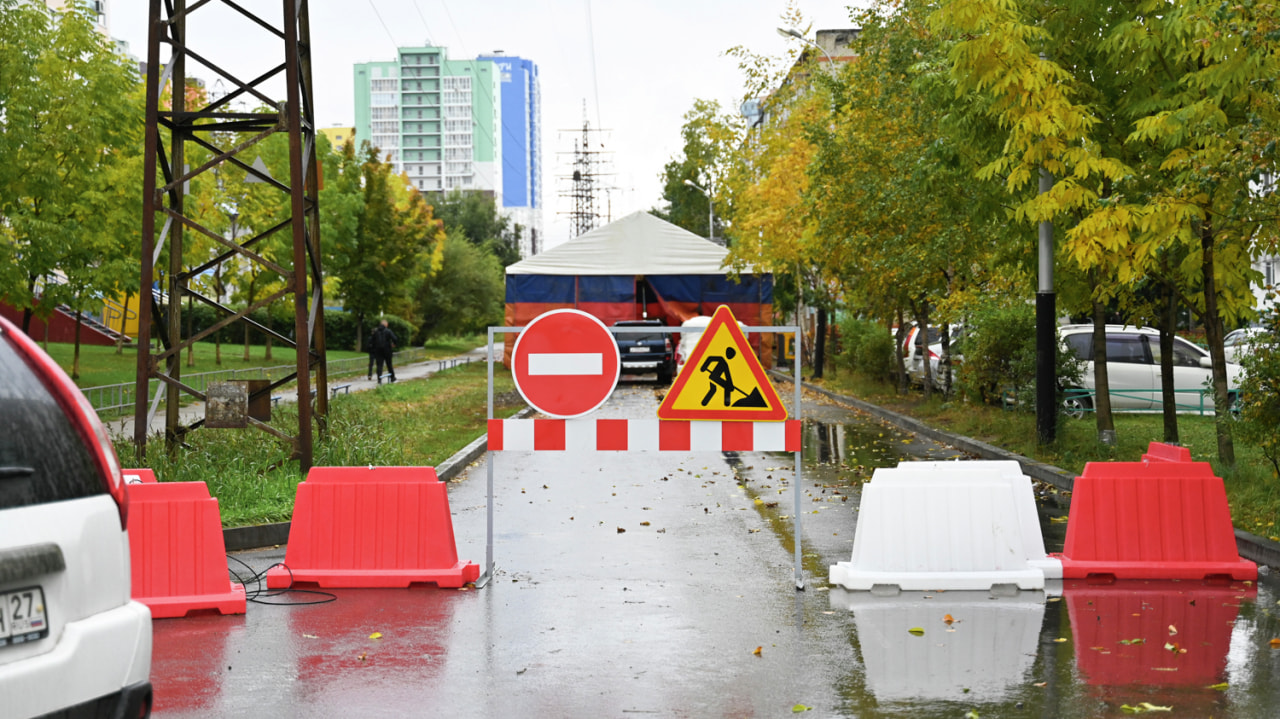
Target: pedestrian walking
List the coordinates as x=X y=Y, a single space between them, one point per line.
x=382 y=342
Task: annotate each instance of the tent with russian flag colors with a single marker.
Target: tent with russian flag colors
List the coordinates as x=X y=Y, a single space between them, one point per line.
x=639 y=267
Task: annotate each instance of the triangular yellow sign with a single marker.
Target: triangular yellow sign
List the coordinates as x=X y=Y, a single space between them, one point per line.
x=723 y=379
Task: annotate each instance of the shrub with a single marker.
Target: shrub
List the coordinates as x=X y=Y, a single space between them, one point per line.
x=1260 y=394
x=866 y=348
x=1000 y=357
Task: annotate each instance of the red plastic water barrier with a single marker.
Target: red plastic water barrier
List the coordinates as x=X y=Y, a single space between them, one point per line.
x=372 y=527
x=1135 y=632
x=1151 y=520
x=1160 y=451
x=138 y=476
x=179 y=561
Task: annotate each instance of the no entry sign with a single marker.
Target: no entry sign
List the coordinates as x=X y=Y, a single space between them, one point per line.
x=565 y=363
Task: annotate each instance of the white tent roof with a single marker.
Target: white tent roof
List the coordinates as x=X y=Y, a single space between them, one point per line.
x=638 y=244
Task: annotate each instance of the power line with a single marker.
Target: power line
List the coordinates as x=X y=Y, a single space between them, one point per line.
x=383 y=23
x=591 y=43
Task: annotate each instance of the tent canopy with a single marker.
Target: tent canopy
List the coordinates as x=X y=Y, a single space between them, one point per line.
x=638 y=244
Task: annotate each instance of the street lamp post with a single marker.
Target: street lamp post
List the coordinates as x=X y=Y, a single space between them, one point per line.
x=711 y=210
x=792 y=32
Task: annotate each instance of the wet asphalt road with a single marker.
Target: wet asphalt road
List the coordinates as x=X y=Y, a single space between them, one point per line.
x=642 y=584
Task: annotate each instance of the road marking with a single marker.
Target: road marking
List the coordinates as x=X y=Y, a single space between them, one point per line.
x=566 y=363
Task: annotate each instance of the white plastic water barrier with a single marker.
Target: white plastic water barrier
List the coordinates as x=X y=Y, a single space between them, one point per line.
x=985 y=652
x=965 y=525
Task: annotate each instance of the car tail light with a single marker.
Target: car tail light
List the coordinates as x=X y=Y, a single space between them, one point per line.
x=933 y=355
x=668 y=342
x=79 y=411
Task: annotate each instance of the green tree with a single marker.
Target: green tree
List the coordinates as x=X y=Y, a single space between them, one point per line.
x=475 y=216
x=70 y=117
x=464 y=295
x=710 y=136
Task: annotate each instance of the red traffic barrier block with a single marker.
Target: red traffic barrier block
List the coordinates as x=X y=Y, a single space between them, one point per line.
x=1156 y=519
x=372 y=527
x=138 y=476
x=1159 y=451
x=179 y=561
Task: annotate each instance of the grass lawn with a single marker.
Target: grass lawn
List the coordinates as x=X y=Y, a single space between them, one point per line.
x=1253 y=490
x=102 y=366
x=414 y=422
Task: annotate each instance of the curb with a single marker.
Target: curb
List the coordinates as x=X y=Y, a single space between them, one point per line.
x=1251 y=546
x=268 y=535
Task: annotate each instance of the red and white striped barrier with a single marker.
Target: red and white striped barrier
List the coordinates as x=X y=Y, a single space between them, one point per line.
x=654 y=435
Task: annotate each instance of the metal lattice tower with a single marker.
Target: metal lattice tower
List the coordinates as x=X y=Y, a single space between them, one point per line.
x=227 y=134
x=584 y=181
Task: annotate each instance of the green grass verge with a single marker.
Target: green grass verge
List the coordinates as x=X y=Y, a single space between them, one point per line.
x=1253 y=490
x=102 y=366
x=415 y=423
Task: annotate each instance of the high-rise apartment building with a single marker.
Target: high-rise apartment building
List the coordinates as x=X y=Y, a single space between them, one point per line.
x=470 y=125
x=435 y=118
x=521 y=147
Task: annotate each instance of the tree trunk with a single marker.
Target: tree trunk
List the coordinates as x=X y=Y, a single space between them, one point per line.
x=900 y=362
x=124 y=316
x=922 y=339
x=1168 y=325
x=26 y=311
x=1213 y=334
x=359 y=332
x=267 y=355
x=820 y=344
x=191 y=348
x=944 y=364
x=217 y=336
x=75 y=354
x=1102 y=385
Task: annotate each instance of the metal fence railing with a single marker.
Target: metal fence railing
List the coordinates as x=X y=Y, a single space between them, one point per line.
x=1080 y=401
x=114 y=398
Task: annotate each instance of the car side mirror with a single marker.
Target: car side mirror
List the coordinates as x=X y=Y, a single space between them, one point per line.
x=1206 y=362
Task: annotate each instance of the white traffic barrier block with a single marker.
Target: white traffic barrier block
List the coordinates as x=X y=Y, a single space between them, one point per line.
x=965 y=525
x=984 y=654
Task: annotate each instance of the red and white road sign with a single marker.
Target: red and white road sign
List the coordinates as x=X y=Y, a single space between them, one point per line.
x=565 y=363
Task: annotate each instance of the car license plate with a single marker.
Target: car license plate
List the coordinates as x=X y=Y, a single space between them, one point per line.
x=22 y=616
x=638 y=349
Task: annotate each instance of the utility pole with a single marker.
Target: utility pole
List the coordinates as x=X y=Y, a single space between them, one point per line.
x=1046 y=332
x=166 y=179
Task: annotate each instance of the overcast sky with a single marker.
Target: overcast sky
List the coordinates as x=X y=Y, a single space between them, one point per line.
x=651 y=60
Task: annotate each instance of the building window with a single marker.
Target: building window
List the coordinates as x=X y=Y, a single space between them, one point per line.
x=384 y=85
x=383 y=99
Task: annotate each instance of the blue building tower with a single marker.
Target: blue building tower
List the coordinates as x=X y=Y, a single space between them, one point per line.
x=521 y=141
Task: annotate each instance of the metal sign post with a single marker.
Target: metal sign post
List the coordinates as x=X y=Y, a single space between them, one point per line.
x=489 y=566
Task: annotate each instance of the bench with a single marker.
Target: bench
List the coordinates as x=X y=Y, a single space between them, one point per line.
x=343 y=388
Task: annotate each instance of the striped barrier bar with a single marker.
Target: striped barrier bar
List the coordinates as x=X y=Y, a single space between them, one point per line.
x=654 y=435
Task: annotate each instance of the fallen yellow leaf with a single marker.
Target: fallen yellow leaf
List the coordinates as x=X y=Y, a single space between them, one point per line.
x=1275 y=643
x=376 y=635
x=759 y=651
x=917 y=631
x=949 y=619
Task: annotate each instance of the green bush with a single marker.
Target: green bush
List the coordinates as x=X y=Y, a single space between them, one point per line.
x=866 y=348
x=1260 y=394
x=1000 y=357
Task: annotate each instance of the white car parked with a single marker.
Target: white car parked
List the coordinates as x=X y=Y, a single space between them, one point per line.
x=1134 y=370
x=690 y=332
x=71 y=639
x=1239 y=343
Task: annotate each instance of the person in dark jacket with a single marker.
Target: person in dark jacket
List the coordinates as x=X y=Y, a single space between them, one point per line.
x=381 y=343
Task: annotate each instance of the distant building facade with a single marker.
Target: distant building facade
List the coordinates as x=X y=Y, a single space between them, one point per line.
x=468 y=125
x=338 y=136
x=435 y=118
x=521 y=132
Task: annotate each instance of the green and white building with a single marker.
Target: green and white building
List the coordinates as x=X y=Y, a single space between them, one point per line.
x=438 y=119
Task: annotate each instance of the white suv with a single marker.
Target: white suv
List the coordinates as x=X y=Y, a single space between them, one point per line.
x=1134 y=374
x=71 y=640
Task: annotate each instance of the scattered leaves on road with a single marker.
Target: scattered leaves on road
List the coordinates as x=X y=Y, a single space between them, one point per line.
x=1143 y=708
x=916 y=631
x=759 y=651
x=800 y=708
x=948 y=620
x=376 y=635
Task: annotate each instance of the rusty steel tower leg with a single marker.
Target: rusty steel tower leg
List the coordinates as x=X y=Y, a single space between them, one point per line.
x=218 y=145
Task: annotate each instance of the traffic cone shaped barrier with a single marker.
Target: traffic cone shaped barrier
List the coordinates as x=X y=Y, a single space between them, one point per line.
x=178 y=558
x=138 y=476
x=1166 y=452
x=372 y=527
x=1155 y=519
x=947 y=525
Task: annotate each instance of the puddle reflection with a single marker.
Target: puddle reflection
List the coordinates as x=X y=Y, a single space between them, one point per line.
x=984 y=653
x=1154 y=632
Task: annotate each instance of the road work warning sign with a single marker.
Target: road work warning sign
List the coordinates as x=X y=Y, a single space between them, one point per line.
x=722 y=379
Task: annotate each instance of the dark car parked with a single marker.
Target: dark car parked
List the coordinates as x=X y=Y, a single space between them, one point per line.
x=644 y=352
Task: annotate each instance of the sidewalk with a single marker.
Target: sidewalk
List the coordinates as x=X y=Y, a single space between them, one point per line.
x=123 y=427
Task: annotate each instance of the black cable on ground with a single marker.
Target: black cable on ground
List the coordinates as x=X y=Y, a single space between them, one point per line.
x=259 y=594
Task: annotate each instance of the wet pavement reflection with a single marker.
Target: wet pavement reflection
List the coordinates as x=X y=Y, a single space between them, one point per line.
x=643 y=584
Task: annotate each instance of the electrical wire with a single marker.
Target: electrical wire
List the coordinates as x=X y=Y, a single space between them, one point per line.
x=259 y=594
x=383 y=23
x=595 y=81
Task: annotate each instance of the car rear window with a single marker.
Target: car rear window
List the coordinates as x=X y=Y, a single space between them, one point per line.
x=42 y=458
x=1081 y=343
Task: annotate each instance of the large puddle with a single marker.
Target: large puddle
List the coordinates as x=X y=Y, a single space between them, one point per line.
x=1077 y=650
